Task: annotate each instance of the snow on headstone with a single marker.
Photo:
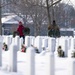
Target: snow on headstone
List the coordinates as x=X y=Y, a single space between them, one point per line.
x=30 y=66
x=32 y=39
x=8 y=41
x=38 y=43
x=65 y=47
x=17 y=42
x=13 y=58
x=27 y=41
x=57 y=44
x=51 y=44
x=21 y=43
x=69 y=43
x=45 y=43
x=1 y=39
x=72 y=44
x=4 y=38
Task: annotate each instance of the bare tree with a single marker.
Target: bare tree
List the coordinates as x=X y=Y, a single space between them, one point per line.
x=34 y=9
x=38 y=16
x=27 y=9
x=1 y=6
x=49 y=5
x=65 y=15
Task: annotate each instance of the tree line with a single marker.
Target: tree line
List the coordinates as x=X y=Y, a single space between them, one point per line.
x=42 y=13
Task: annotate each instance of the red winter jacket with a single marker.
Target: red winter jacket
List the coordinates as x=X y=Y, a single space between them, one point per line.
x=20 y=30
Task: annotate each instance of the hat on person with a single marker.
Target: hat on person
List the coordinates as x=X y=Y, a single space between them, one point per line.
x=20 y=23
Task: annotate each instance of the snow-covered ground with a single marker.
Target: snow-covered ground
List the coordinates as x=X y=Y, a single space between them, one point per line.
x=40 y=62
x=62 y=65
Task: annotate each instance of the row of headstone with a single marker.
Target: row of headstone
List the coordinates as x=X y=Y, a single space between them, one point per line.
x=13 y=58
x=30 y=60
x=50 y=67
x=12 y=64
x=67 y=43
x=9 y=40
x=1 y=41
x=40 y=42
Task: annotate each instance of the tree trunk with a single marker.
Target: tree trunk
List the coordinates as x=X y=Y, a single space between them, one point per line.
x=24 y=20
x=52 y=8
x=49 y=18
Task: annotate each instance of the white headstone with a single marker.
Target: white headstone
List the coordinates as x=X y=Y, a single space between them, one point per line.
x=8 y=41
x=45 y=43
x=13 y=58
x=30 y=61
x=51 y=44
x=38 y=43
x=32 y=39
x=65 y=47
x=72 y=44
x=71 y=66
x=16 y=42
x=20 y=43
x=0 y=53
x=27 y=41
x=50 y=64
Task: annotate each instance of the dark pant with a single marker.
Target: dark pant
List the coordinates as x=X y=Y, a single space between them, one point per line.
x=23 y=38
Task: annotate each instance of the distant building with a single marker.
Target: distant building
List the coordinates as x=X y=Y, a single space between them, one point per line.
x=9 y=24
x=67 y=32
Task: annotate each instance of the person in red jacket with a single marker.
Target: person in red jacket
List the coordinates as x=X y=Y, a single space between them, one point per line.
x=20 y=30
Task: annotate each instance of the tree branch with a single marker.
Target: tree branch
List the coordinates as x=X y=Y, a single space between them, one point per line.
x=55 y=3
x=3 y=5
x=46 y=6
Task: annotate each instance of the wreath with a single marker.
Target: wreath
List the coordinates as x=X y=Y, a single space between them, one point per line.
x=26 y=31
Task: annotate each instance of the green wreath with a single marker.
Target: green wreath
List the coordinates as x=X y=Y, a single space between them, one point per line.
x=26 y=31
